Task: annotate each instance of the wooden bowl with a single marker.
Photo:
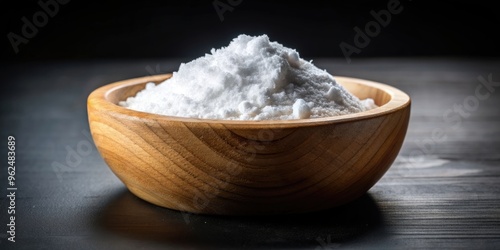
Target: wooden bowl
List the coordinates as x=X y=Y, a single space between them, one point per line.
x=248 y=167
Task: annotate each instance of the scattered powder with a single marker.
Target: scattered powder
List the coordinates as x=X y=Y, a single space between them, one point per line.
x=251 y=79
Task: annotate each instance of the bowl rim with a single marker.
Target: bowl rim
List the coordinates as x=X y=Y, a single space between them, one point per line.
x=98 y=99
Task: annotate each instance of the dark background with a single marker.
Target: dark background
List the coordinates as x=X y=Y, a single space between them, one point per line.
x=449 y=198
x=189 y=29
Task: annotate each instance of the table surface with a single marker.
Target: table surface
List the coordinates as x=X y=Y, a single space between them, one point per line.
x=442 y=191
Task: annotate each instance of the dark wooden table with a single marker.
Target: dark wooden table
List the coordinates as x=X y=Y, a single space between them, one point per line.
x=442 y=191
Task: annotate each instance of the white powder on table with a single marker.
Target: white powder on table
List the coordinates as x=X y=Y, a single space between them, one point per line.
x=251 y=79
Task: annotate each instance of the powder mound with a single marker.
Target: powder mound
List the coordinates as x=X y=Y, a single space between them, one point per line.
x=250 y=79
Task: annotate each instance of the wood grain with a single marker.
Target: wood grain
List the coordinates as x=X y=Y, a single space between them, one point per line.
x=450 y=198
x=248 y=167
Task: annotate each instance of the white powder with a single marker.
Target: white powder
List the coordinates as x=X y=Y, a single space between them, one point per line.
x=251 y=79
